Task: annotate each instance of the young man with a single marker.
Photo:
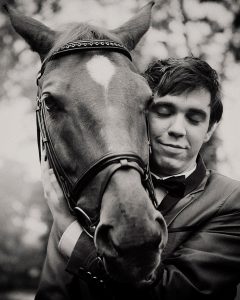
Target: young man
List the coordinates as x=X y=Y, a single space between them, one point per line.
x=200 y=206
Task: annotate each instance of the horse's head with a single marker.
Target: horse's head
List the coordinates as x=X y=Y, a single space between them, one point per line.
x=91 y=113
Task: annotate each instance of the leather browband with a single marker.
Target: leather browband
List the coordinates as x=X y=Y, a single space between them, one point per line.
x=90 y=45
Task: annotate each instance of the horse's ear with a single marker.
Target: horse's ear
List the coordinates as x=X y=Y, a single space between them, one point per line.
x=131 y=32
x=37 y=35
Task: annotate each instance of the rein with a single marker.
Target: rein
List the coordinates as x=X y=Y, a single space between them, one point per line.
x=111 y=162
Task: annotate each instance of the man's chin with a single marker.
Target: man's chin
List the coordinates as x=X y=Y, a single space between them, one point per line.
x=167 y=166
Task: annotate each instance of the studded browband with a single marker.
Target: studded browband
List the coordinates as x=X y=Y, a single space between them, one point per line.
x=83 y=45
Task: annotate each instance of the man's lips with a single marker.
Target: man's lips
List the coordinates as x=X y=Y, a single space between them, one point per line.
x=173 y=145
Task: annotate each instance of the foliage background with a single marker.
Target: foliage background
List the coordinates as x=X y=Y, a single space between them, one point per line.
x=209 y=29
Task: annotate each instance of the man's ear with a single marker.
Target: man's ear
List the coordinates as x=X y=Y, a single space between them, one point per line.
x=210 y=132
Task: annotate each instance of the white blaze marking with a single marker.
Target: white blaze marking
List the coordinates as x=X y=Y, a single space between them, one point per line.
x=101 y=69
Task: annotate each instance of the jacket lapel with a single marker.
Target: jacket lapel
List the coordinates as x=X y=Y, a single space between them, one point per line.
x=185 y=202
x=194 y=186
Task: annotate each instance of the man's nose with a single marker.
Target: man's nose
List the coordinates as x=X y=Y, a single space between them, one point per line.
x=178 y=126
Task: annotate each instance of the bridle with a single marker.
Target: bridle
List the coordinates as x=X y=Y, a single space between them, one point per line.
x=110 y=162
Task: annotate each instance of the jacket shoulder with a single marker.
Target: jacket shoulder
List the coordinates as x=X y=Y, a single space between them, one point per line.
x=225 y=189
x=220 y=178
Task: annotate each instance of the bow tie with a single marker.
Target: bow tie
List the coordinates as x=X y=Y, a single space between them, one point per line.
x=175 y=185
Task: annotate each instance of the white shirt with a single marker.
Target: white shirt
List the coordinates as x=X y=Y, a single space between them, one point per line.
x=186 y=174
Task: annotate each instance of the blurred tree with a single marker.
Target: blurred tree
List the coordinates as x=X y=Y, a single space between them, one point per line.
x=24 y=226
x=24 y=216
x=209 y=29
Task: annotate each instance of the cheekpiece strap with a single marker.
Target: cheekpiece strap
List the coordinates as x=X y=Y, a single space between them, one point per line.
x=87 y=45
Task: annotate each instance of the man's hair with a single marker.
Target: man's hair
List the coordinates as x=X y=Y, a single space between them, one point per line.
x=175 y=76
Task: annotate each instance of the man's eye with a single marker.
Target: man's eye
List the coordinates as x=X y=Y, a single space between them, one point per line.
x=195 y=119
x=164 y=111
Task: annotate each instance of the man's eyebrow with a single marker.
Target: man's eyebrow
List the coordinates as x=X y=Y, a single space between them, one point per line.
x=197 y=111
x=155 y=104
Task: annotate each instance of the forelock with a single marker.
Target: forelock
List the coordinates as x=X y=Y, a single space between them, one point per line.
x=72 y=32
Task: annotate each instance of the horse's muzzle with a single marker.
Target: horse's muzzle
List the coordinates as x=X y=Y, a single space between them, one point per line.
x=131 y=233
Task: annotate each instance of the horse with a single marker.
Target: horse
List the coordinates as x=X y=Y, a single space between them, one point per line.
x=91 y=113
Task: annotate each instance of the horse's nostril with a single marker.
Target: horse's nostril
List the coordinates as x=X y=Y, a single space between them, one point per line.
x=104 y=242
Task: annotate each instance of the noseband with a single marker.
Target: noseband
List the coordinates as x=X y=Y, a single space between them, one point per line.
x=108 y=162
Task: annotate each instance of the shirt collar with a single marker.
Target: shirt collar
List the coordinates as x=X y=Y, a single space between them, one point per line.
x=186 y=174
x=196 y=177
x=193 y=177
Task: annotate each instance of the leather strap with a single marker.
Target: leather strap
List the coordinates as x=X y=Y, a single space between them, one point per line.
x=84 y=45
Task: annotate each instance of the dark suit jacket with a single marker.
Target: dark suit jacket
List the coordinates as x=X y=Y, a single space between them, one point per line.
x=201 y=259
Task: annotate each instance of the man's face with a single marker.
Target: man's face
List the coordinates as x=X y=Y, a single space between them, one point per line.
x=179 y=125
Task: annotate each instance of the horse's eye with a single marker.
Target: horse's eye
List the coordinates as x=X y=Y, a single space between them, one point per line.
x=50 y=102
